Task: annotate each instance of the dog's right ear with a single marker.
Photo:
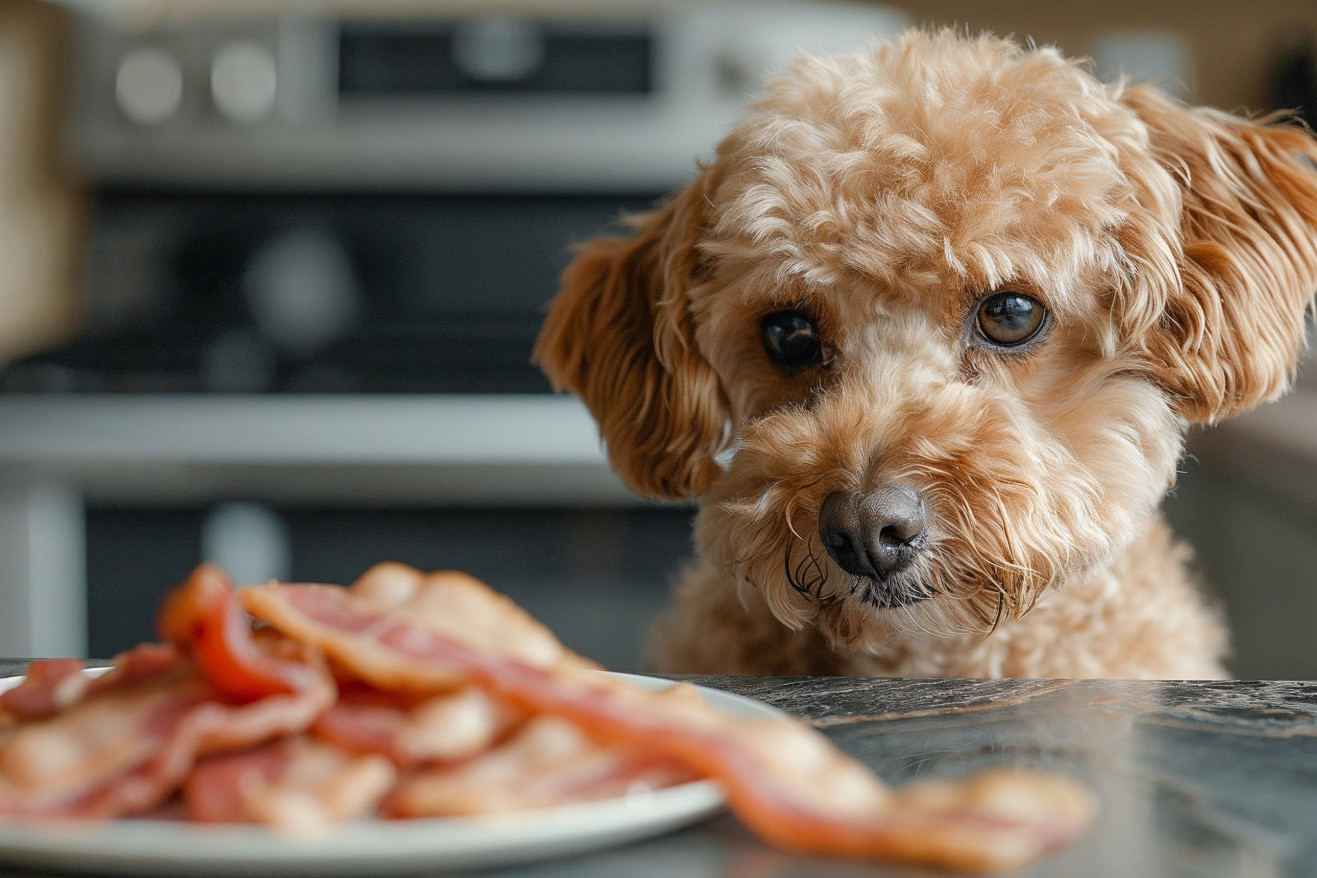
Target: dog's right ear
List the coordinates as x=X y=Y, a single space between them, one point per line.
x=1226 y=253
x=620 y=336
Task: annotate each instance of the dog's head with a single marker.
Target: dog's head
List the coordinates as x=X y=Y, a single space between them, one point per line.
x=952 y=303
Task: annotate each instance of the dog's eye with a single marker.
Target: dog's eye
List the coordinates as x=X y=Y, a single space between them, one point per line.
x=792 y=340
x=1008 y=319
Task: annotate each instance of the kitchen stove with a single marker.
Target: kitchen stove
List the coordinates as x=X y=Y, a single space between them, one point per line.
x=316 y=260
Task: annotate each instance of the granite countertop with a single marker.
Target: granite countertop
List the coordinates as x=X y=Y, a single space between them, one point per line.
x=1212 y=778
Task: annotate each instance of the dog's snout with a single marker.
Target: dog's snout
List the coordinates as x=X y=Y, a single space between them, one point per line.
x=873 y=534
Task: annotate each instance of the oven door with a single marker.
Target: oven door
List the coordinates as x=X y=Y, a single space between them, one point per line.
x=597 y=576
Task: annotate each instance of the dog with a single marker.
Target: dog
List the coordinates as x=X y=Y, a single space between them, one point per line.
x=924 y=338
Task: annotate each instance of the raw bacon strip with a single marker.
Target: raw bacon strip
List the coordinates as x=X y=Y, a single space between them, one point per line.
x=58 y=766
x=145 y=661
x=124 y=751
x=49 y=686
x=445 y=727
x=56 y=684
x=464 y=607
x=132 y=736
x=203 y=619
x=547 y=762
x=297 y=786
x=784 y=780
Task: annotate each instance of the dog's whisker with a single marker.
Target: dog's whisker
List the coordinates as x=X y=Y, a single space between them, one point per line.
x=808 y=577
x=791 y=508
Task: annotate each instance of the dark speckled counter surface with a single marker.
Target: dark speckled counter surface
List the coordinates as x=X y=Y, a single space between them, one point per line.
x=1193 y=778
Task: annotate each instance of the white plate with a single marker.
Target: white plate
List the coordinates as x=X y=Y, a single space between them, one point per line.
x=167 y=848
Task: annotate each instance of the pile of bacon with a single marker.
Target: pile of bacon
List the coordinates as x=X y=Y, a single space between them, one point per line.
x=429 y=695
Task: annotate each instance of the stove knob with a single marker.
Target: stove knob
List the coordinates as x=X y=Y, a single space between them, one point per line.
x=244 y=81
x=301 y=288
x=148 y=85
x=498 y=49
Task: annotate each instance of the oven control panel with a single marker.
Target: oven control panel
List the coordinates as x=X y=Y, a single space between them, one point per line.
x=624 y=99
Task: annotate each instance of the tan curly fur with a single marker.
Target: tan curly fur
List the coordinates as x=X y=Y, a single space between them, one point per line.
x=886 y=194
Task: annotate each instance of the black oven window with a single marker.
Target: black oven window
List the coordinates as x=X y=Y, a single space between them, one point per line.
x=305 y=293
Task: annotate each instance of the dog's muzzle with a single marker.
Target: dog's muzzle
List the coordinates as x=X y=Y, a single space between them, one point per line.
x=874 y=535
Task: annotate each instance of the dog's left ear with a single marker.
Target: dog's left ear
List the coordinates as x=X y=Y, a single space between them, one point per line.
x=620 y=335
x=1224 y=254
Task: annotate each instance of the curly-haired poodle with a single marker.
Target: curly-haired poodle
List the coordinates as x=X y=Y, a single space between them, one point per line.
x=924 y=338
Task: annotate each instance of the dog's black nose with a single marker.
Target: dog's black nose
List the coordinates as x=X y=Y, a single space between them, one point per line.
x=874 y=534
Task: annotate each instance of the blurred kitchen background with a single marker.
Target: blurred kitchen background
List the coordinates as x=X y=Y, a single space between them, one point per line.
x=270 y=274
